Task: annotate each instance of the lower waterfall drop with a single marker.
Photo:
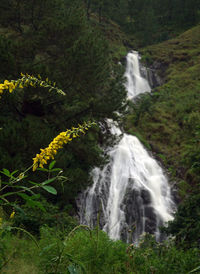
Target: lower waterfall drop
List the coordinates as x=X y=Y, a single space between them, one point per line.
x=131 y=194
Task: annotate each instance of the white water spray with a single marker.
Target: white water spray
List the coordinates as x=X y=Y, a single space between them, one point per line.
x=130 y=194
x=135 y=84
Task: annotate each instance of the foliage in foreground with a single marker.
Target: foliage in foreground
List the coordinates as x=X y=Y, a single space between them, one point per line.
x=92 y=252
x=186 y=225
x=54 y=39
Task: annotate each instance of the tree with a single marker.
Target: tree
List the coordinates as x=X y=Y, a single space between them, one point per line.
x=57 y=41
x=186 y=225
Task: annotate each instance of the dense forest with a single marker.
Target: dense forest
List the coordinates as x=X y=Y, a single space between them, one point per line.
x=77 y=47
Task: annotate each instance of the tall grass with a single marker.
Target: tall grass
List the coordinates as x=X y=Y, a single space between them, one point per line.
x=92 y=252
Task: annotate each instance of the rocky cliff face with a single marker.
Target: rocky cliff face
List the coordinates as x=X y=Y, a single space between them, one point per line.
x=153 y=73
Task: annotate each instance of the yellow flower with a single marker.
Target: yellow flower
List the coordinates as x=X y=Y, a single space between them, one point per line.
x=12 y=215
x=6 y=84
x=28 y=80
x=11 y=87
x=58 y=143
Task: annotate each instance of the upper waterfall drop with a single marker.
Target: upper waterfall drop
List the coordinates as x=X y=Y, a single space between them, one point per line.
x=131 y=194
x=135 y=83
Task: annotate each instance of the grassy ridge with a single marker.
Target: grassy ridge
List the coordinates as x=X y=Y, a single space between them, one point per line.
x=170 y=118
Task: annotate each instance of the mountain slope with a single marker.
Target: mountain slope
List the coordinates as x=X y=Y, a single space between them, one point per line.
x=170 y=119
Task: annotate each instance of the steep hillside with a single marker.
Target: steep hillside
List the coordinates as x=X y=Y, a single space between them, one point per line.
x=169 y=118
x=56 y=40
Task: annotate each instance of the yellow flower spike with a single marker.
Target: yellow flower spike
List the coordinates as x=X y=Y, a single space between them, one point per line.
x=12 y=215
x=11 y=87
x=28 y=80
x=6 y=82
x=57 y=143
x=44 y=161
x=35 y=166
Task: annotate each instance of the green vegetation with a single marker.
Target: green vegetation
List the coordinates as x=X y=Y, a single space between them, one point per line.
x=168 y=120
x=55 y=39
x=169 y=117
x=77 y=45
x=147 y=22
x=86 y=251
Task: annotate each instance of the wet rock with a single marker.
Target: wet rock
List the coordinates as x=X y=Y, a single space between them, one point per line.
x=151 y=220
x=146 y=197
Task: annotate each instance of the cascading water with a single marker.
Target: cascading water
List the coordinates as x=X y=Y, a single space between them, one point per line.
x=135 y=84
x=130 y=195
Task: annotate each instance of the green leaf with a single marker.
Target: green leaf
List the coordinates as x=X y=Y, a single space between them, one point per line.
x=55 y=169
x=14 y=172
x=33 y=183
x=6 y=172
x=51 y=165
x=43 y=169
x=33 y=203
x=46 y=248
x=48 y=181
x=19 y=209
x=36 y=196
x=24 y=196
x=5 y=183
x=8 y=194
x=197 y=269
x=50 y=189
x=27 y=189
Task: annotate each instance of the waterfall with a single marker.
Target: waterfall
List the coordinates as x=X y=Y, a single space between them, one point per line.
x=131 y=194
x=135 y=84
